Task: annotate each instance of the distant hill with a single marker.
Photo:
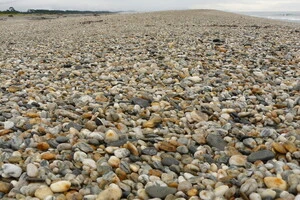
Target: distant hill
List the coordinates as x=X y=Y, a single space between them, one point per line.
x=11 y=11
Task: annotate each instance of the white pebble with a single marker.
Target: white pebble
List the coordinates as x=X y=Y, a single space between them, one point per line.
x=122 y=153
x=9 y=124
x=32 y=170
x=254 y=196
x=220 y=191
x=11 y=170
x=89 y=162
x=60 y=186
x=206 y=195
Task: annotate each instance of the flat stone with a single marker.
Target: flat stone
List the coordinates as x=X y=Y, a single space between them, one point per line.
x=275 y=183
x=157 y=191
x=238 y=160
x=263 y=155
x=141 y=102
x=168 y=161
x=11 y=170
x=216 y=141
x=5 y=187
x=149 y=151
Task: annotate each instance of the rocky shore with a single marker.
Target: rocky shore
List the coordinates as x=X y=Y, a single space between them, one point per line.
x=195 y=104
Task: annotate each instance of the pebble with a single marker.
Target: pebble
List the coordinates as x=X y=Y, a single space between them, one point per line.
x=32 y=170
x=159 y=191
x=111 y=136
x=5 y=187
x=151 y=151
x=113 y=192
x=121 y=153
x=275 y=183
x=60 y=186
x=11 y=170
x=168 y=161
x=43 y=192
x=238 y=160
x=263 y=155
x=216 y=141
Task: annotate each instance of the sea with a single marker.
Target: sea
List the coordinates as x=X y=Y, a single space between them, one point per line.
x=291 y=16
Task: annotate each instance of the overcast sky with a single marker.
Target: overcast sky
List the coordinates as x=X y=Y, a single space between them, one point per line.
x=153 y=5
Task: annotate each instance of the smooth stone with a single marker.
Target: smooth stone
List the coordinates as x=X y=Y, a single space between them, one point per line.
x=113 y=192
x=32 y=170
x=143 y=103
x=86 y=148
x=60 y=186
x=267 y=194
x=61 y=139
x=238 y=160
x=157 y=191
x=5 y=187
x=111 y=136
x=90 y=163
x=263 y=155
x=9 y=124
x=249 y=186
x=114 y=161
x=79 y=156
x=206 y=195
x=184 y=186
x=122 y=153
x=149 y=151
x=182 y=149
x=254 y=196
x=275 y=183
x=221 y=190
x=11 y=170
x=216 y=141
x=297 y=197
x=43 y=192
x=168 y=161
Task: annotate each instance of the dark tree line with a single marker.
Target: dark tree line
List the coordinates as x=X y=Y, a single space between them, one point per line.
x=11 y=10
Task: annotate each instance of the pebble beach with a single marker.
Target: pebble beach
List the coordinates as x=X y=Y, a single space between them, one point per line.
x=196 y=104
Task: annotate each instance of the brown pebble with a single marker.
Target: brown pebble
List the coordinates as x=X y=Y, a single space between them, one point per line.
x=173 y=185
x=48 y=156
x=153 y=122
x=5 y=187
x=275 y=183
x=32 y=115
x=279 y=148
x=14 y=89
x=74 y=195
x=121 y=174
x=87 y=115
x=155 y=172
x=290 y=146
x=43 y=146
x=5 y=131
x=166 y=146
x=132 y=148
x=192 y=192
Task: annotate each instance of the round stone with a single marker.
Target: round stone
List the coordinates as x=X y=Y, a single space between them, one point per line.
x=11 y=170
x=60 y=186
x=32 y=170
